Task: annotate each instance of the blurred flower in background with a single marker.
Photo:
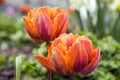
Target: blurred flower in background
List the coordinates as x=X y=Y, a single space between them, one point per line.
x=114 y=5
x=77 y=3
x=118 y=6
x=10 y=11
x=2 y=1
x=83 y=6
x=86 y=4
x=25 y=8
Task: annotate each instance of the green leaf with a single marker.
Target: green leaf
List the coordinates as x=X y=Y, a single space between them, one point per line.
x=18 y=67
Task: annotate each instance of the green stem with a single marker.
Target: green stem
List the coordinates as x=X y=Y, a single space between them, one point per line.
x=49 y=75
x=115 y=29
x=116 y=23
x=80 y=20
x=71 y=77
x=100 y=28
x=90 y=25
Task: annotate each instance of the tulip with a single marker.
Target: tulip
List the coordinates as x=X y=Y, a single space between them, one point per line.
x=70 y=54
x=2 y=1
x=25 y=8
x=45 y=24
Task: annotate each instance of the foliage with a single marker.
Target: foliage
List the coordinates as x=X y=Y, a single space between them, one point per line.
x=102 y=22
x=6 y=62
x=104 y=34
x=11 y=31
x=108 y=68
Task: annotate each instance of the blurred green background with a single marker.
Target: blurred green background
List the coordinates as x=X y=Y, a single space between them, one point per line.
x=99 y=19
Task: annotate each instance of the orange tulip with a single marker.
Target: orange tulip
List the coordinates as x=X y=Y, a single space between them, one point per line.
x=45 y=24
x=2 y=1
x=25 y=8
x=70 y=54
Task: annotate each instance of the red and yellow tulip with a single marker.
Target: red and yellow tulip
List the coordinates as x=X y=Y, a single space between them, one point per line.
x=70 y=54
x=45 y=24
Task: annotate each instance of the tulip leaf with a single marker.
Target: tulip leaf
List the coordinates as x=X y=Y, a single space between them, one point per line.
x=18 y=67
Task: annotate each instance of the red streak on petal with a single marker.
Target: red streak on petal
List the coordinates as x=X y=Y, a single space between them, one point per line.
x=91 y=66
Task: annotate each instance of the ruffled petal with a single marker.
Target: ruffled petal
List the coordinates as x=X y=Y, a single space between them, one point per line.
x=46 y=10
x=77 y=57
x=61 y=23
x=31 y=29
x=92 y=65
x=59 y=62
x=81 y=58
x=88 y=46
x=55 y=11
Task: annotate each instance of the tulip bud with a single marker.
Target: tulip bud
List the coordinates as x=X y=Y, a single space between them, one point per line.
x=70 y=54
x=45 y=24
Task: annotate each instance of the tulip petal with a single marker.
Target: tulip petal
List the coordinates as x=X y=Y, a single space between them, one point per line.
x=92 y=65
x=71 y=56
x=77 y=57
x=31 y=13
x=88 y=46
x=30 y=29
x=55 y=11
x=56 y=42
x=69 y=40
x=44 y=61
x=61 y=23
x=44 y=26
x=46 y=10
x=62 y=47
x=28 y=26
x=81 y=59
x=59 y=62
